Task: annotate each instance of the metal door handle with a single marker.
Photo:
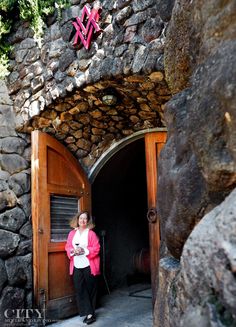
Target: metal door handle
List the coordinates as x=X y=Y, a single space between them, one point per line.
x=152 y=215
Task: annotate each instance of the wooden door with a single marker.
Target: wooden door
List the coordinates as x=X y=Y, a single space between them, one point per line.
x=153 y=145
x=59 y=189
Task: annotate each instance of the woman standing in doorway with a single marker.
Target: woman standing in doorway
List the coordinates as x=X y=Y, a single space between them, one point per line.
x=83 y=249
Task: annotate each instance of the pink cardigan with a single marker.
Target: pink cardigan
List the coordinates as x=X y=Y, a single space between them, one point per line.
x=93 y=256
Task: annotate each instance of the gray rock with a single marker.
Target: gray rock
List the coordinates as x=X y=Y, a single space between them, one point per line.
x=37 y=84
x=154 y=60
x=216 y=143
x=9 y=243
x=13 y=163
x=53 y=32
x=26 y=230
x=12 y=145
x=12 y=298
x=3 y=275
x=19 y=271
x=208 y=266
x=7 y=131
x=178 y=146
x=140 y=5
x=27 y=43
x=123 y=14
x=15 y=272
x=19 y=183
x=168 y=270
x=3 y=180
x=205 y=162
x=7 y=118
x=8 y=198
x=137 y=19
x=109 y=4
x=29 y=300
x=66 y=59
x=25 y=247
x=123 y=3
x=165 y=8
x=139 y=59
x=152 y=29
x=57 y=48
x=32 y=55
x=20 y=55
x=27 y=154
x=12 y=219
x=66 y=31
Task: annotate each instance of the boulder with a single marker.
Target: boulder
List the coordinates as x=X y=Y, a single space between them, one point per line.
x=12 y=219
x=9 y=243
x=3 y=275
x=12 y=298
x=205 y=288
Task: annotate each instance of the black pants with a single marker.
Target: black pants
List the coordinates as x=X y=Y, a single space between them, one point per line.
x=86 y=290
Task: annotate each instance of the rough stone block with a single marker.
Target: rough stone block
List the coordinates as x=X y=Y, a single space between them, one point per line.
x=168 y=269
x=12 y=298
x=3 y=274
x=9 y=243
x=12 y=219
x=13 y=163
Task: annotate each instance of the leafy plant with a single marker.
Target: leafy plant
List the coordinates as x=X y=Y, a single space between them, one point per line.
x=33 y=11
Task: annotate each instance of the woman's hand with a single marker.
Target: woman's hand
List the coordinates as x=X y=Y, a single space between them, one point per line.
x=79 y=251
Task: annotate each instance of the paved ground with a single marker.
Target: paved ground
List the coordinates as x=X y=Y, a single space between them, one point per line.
x=128 y=307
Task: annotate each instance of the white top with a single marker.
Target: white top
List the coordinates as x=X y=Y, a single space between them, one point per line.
x=81 y=261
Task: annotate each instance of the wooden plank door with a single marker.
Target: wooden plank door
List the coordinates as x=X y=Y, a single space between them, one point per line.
x=153 y=145
x=59 y=189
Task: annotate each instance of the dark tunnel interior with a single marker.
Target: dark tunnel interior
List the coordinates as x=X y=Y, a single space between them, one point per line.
x=119 y=207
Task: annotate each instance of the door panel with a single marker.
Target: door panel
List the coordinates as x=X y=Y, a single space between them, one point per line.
x=56 y=178
x=153 y=145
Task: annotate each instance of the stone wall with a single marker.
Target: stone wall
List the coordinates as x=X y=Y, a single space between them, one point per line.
x=15 y=212
x=198 y=163
x=58 y=88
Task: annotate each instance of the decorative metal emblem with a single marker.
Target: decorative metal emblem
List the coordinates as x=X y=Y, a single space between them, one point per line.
x=87 y=25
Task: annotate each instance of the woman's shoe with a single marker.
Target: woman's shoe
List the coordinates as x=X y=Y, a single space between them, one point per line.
x=90 y=320
x=85 y=320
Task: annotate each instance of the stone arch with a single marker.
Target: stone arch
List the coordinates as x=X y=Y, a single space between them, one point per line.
x=116 y=147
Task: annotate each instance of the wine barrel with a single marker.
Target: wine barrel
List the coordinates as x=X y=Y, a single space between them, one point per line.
x=141 y=261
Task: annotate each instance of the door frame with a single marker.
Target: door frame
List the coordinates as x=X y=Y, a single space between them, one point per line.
x=116 y=147
x=151 y=176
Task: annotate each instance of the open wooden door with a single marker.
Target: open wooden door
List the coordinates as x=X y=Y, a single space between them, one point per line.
x=153 y=145
x=59 y=189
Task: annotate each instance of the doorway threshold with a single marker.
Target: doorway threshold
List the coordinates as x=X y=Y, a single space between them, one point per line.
x=119 y=309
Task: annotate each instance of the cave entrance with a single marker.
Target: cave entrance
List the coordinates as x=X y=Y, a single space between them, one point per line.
x=119 y=205
x=123 y=192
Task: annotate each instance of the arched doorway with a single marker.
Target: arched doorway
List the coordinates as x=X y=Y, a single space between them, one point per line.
x=119 y=206
x=124 y=181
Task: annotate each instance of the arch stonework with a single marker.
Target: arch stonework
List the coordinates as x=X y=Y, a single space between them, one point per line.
x=116 y=147
x=58 y=88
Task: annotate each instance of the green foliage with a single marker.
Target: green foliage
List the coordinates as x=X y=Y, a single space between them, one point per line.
x=7 y=5
x=33 y=11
